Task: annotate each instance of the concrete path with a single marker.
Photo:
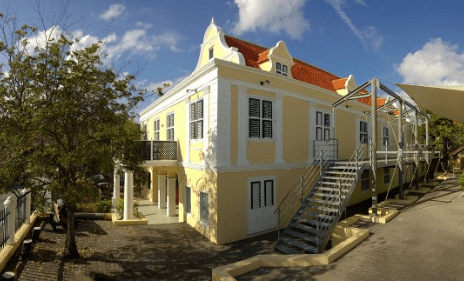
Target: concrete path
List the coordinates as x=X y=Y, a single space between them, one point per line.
x=424 y=242
x=155 y=215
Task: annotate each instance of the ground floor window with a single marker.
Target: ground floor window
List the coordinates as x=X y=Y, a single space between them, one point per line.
x=386 y=175
x=204 y=209
x=365 y=180
x=188 y=199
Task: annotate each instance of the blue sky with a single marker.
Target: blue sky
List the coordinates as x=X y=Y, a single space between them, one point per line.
x=396 y=41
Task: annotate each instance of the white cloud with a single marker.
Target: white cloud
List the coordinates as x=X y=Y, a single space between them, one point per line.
x=113 y=12
x=369 y=37
x=143 y=25
x=360 y=2
x=42 y=37
x=271 y=15
x=437 y=63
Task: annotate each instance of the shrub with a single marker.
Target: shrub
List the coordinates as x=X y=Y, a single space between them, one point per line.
x=120 y=207
x=104 y=206
x=461 y=180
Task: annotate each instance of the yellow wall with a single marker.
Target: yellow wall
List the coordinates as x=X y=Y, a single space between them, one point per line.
x=295 y=126
x=261 y=152
x=345 y=129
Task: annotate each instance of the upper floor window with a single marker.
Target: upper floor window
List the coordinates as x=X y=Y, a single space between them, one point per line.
x=211 y=53
x=322 y=126
x=260 y=118
x=363 y=133
x=281 y=69
x=386 y=175
x=156 y=130
x=385 y=136
x=170 y=126
x=144 y=135
x=196 y=120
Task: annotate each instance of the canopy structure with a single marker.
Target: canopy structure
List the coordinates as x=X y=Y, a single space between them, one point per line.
x=446 y=101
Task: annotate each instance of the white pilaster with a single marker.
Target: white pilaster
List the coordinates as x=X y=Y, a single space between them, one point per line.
x=10 y=204
x=278 y=120
x=187 y=133
x=161 y=191
x=206 y=91
x=116 y=186
x=171 y=199
x=128 y=195
x=242 y=126
x=28 y=205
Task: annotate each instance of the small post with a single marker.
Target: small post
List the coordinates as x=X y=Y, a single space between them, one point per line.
x=28 y=205
x=10 y=205
x=339 y=197
x=128 y=195
x=116 y=186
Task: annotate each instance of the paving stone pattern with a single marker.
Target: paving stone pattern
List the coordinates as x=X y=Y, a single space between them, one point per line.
x=153 y=252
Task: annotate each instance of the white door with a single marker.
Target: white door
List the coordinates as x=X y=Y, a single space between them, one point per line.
x=261 y=205
x=323 y=142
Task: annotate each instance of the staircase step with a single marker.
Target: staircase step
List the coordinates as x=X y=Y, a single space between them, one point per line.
x=285 y=249
x=308 y=229
x=315 y=222
x=314 y=200
x=302 y=236
x=331 y=183
x=345 y=167
x=323 y=208
x=321 y=216
x=337 y=178
x=323 y=195
x=341 y=172
x=300 y=245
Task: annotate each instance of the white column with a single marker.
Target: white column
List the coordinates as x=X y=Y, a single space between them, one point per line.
x=242 y=127
x=10 y=204
x=28 y=205
x=278 y=130
x=116 y=186
x=171 y=209
x=161 y=191
x=128 y=195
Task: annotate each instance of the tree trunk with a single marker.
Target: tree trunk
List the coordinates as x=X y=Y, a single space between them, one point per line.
x=71 y=246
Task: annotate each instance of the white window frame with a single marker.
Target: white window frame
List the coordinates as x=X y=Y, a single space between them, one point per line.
x=324 y=128
x=386 y=137
x=202 y=221
x=363 y=134
x=281 y=69
x=145 y=132
x=365 y=180
x=170 y=127
x=197 y=120
x=156 y=129
x=261 y=119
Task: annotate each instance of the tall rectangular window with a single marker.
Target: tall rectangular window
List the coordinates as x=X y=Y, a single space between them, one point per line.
x=365 y=179
x=211 y=53
x=188 y=199
x=386 y=175
x=322 y=126
x=196 y=120
x=268 y=193
x=204 y=209
x=385 y=136
x=260 y=118
x=144 y=135
x=156 y=130
x=363 y=132
x=170 y=127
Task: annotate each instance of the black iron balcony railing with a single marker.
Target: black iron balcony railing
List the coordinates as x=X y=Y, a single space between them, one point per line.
x=159 y=150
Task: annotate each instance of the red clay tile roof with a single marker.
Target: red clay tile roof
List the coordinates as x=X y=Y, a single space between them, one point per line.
x=255 y=55
x=339 y=83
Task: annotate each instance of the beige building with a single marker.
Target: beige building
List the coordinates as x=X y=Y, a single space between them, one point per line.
x=232 y=141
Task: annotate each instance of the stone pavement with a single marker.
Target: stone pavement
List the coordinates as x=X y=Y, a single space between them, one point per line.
x=154 y=215
x=150 y=252
x=424 y=242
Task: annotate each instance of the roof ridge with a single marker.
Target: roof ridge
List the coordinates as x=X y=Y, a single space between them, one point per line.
x=226 y=35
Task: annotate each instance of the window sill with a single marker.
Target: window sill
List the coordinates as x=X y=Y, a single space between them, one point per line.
x=261 y=140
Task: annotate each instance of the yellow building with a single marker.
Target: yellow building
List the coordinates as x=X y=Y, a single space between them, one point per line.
x=248 y=123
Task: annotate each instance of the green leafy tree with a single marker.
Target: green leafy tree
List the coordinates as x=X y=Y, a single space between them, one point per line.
x=63 y=118
x=445 y=135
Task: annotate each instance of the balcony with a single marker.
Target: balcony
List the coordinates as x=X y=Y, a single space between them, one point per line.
x=159 y=153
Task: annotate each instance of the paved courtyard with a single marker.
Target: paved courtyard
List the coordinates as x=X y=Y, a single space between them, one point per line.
x=425 y=242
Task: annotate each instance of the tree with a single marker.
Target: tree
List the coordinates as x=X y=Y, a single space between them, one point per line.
x=445 y=135
x=63 y=117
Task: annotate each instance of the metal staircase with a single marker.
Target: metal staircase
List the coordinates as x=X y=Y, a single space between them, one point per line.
x=315 y=218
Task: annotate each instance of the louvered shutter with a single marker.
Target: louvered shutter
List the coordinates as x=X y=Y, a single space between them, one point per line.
x=255 y=195
x=199 y=106
x=254 y=128
x=193 y=130
x=268 y=193
x=192 y=112
x=326 y=120
x=267 y=129
x=253 y=110
x=199 y=129
x=172 y=119
x=267 y=109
